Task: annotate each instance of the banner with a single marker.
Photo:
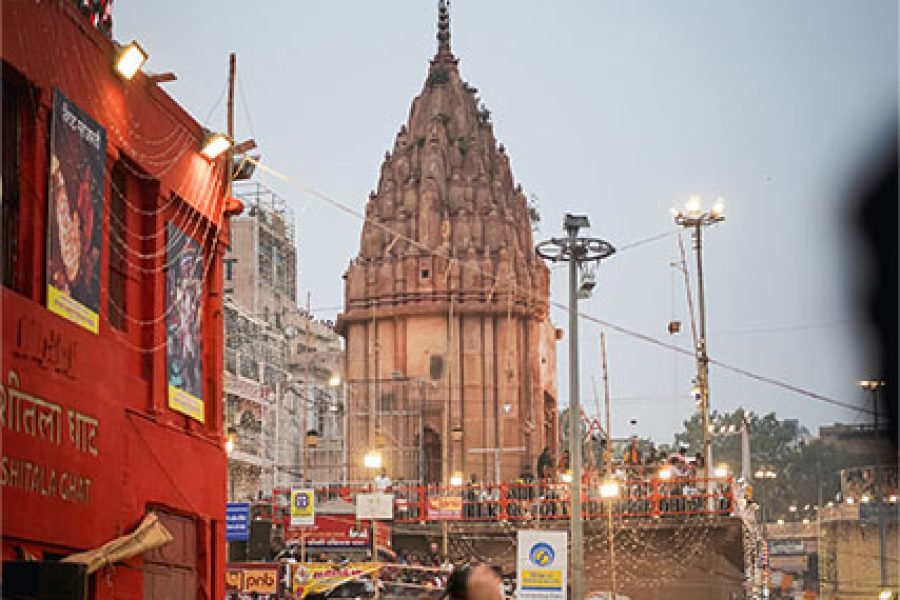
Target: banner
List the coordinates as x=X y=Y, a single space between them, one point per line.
x=303 y=507
x=542 y=561
x=309 y=578
x=444 y=508
x=184 y=342
x=75 y=214
x=337 y=532
x=860 y=482
x=376 y=505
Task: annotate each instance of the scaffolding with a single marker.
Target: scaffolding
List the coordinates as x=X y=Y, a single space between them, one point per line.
x=399 y=418
x=276 y=254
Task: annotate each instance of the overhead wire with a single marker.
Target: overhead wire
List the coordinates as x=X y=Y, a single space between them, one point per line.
x=588 y=317
x=166 y=165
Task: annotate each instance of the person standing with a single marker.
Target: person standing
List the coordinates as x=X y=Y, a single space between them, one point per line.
x=545 y=464
x=382 y=481
x=633 y=454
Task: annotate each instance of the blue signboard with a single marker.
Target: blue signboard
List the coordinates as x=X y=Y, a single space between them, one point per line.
x=237 y=522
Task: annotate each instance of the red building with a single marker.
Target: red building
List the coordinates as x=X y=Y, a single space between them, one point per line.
x=114 y=226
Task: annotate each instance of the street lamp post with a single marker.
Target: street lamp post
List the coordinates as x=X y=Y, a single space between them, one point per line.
x=576 y=251
x=609 y=492
x=873 y=385
x=765 y=474
x=693 y=217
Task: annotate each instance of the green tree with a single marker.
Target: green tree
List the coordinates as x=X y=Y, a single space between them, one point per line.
x=772 y=442
x=804 y=469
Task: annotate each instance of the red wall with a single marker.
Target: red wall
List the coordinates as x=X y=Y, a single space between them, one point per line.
x=144 y=455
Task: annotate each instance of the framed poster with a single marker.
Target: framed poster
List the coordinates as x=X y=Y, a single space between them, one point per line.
x=184 y=315
x=75 y=214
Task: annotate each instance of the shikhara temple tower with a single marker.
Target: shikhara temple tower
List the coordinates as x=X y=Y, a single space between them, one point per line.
x=451 y=357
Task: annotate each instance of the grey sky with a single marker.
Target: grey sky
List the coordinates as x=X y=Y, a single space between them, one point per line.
x=616 y=109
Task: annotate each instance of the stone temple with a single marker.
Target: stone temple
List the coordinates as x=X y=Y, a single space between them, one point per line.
x=451 y=356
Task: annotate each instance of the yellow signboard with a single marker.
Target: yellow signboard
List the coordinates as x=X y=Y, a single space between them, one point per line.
x=261 y=581
x=185 y=403
x=308 y=578
x=303 y=506
x=69 y=308
x=542 y=580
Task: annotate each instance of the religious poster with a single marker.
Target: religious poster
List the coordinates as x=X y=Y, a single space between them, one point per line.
x=184 y=342
x=75 y=214
x=861 y=483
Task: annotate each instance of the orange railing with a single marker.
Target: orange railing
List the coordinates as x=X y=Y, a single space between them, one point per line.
x=638 y=498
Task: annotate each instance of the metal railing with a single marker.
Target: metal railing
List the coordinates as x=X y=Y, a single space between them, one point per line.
x=542 y=500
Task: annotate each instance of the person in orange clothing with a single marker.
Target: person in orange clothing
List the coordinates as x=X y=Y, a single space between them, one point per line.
x=633 y=456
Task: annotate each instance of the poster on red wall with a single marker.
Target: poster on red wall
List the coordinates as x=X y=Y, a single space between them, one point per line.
x=184 y=342
x=75 y=214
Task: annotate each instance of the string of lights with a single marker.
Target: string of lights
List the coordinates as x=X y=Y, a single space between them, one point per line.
x=190 y=227
x=58 y=68
x=168 y=310
x=55 y=77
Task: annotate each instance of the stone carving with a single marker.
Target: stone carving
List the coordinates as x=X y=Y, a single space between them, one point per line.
x=455 y=254
x=448 y=185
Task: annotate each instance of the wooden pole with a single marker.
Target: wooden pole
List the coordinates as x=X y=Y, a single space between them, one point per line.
x=608 y=451
x=308 y=400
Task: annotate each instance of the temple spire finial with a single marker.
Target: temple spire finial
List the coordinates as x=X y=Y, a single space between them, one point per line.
x=443 y=33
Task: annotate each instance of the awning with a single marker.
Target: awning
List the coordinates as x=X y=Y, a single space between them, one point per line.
x=149 y=535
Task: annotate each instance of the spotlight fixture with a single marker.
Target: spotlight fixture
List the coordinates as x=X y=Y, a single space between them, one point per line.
x=214 y=145
x=130 y=59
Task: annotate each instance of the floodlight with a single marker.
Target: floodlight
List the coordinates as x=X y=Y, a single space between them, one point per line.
x=130 y=59
x=214 y=145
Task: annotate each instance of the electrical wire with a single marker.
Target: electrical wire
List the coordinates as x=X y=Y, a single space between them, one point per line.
x=588 y=317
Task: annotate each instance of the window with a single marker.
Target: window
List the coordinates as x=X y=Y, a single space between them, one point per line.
x=17 y=127
x=229 y=268
x=118 y=271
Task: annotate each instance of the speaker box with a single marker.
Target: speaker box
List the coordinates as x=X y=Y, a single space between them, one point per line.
x=260 y=545
x=47 y=580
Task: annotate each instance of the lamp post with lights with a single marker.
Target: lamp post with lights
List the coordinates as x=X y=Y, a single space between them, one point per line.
x=579 y=252
x=695 y=218
x=609 y=492
x=874 y=385
x=765 y=475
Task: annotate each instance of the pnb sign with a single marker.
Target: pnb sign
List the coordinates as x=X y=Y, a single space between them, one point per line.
x=542 y=564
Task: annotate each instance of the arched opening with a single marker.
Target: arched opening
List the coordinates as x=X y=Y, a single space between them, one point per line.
x=430 y=467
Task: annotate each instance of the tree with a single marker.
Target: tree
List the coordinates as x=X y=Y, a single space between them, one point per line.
x=800 y=466
x=771 y=445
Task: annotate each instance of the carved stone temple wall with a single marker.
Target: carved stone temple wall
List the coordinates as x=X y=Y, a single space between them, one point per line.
x=451 y=357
